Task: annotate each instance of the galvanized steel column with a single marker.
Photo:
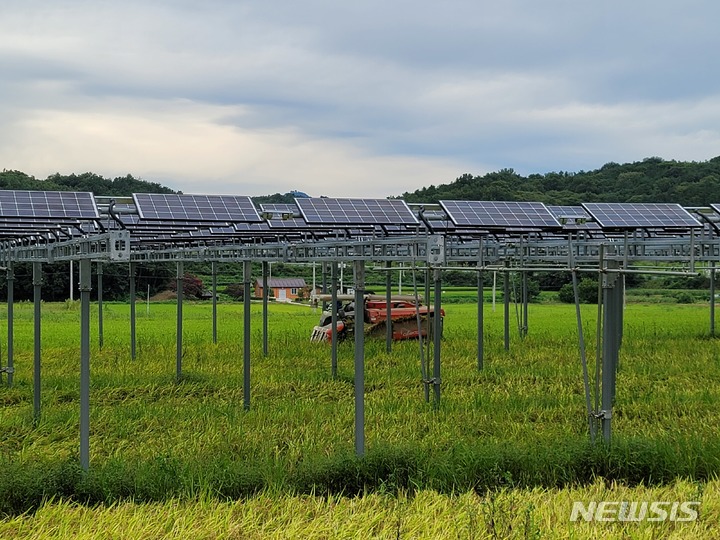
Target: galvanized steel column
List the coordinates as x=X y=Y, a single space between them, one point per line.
x=437 y=334
x=179 y=325
x=101 y=335
x=10 y=322
x=213 y=266
x=334 y=319
x=247 y=270
x=359 y=267
x=37 y=292
x=132 y=312
x=85 y=287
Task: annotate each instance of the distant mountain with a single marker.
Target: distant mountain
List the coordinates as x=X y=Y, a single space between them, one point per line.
x=650 y=180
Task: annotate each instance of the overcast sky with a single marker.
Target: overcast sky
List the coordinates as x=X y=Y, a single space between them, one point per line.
x=370 y=98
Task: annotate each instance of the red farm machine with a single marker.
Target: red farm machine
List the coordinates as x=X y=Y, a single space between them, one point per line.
x=409 y=317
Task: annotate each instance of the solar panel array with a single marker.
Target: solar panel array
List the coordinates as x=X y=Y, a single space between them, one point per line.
x=499 y=215
x=327 y=211
x=641 y=215
x=55 y=205
x=217 y=208
x=164 y=219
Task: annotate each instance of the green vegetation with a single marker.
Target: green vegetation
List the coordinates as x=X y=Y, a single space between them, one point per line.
x=118 y=187
x=505 y=513
x=518 y=424
x=650 y=180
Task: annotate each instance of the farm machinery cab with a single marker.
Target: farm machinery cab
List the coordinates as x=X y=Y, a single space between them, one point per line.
x=405 y=314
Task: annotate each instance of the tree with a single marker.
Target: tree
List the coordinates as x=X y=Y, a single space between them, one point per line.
x=192 y=286
x=587 y=291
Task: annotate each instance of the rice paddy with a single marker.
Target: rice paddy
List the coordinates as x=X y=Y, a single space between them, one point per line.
x=505 y=454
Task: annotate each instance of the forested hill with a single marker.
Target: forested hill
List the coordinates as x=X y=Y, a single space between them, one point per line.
x=118 y=187
x=650 y=180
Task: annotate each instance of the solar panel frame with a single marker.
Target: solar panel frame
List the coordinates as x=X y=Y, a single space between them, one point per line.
x=48 y=204
x=641 y=215
x=568 y=211
x=500 y=214
x=199 y=208
x=346 y=211
x=279 y=208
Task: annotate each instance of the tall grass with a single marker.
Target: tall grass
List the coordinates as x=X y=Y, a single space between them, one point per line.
x=519 y=423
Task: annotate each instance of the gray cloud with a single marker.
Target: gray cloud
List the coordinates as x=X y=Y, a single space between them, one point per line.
x=423 y=89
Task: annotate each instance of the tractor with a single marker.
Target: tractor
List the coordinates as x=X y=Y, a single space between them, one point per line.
x=406 y=313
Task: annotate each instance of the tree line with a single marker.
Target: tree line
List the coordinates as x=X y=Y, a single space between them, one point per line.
x=650 y=180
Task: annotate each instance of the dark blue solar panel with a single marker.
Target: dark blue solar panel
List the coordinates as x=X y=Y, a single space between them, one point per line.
x=48 y=204
x=356 y=211
x=172 y=207
x=495 y=214
x=279 y=209
x=568 y=212
x=640 y=215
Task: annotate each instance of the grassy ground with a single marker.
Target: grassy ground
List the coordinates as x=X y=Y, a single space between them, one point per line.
x=518 y=427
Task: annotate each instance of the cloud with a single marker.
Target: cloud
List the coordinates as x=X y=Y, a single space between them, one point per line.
x=182 y=145
x=273 y=95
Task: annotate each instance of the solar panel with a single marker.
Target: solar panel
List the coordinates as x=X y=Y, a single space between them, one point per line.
x=496 y=214
x=328 y=211
x=48 y=204
x=568 y=212
x=172 y=207
x=277 y=209
x=640 y=215
x=715 y=207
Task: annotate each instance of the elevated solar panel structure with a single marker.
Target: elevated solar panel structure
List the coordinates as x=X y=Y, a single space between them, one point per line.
x=48 y=204
x=716 y=208
x=568 y=212
x=211 y=208
x=278 y=209
x=327 y=211
x=284 y=216
x=573 y=218
x=641 y=216
x=500 y=215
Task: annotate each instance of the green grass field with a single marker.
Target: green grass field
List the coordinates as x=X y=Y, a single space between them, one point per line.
x=504 y=454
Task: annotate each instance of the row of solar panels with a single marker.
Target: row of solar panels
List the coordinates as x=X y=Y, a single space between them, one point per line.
x=172 y=215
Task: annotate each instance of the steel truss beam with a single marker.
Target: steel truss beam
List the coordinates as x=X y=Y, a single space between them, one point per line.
x=111 y=246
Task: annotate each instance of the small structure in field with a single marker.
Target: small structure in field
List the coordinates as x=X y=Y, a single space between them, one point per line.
x=282 y=289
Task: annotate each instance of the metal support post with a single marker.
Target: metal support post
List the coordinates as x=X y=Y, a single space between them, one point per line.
x=133 y=319
x=388 y=309
x=265 y=291
x=101 y=332
x=334 y=319
x=525 y=300
x=437 y=334
x=480 y=321
x=506 y=301
x=612 y=317
x=247 y=270
x=85 y=287
x=323 y=267
x=179 y=326
x=359 y=267
x=10 y=322
x=712 y=299
x=213 y=266
x=37 y=292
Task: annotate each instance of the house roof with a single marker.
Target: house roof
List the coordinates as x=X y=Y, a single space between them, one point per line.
x=283 y=283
